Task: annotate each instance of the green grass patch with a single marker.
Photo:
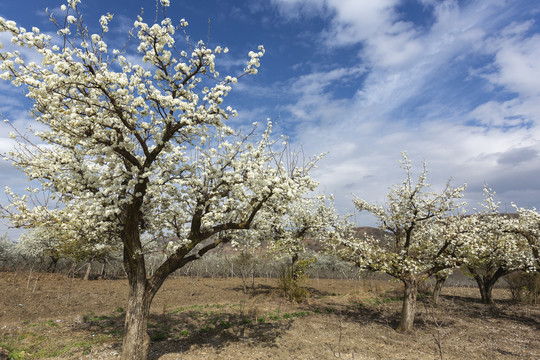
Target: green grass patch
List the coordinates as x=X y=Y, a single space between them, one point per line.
x=159 y=336
x=330 y=310
x=300 y=313
x=225 y=324
x=50 y=339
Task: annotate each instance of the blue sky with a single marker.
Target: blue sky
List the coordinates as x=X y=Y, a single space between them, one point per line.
x=453 y=83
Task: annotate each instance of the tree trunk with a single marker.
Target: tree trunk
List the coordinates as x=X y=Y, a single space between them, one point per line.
x=244 y=281
x=437 y=289
x=406 y=323
x=136 y=342
x=294 y=274
x=486 y=282
x=102 y=272
x=52 y=266
x=485 y=289
x=88 y=269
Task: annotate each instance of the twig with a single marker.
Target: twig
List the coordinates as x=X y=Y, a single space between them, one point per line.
x=35 y=283
x=337 y=353
x=437 y=335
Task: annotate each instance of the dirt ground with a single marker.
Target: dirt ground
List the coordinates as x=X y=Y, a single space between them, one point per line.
x=53 y=317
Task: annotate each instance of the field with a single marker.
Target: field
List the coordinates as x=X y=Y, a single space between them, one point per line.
x=54 y=317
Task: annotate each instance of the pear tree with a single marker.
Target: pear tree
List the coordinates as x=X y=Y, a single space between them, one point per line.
x=133 y=143
x=501 y=244
x=527 y=225
x=424 y=236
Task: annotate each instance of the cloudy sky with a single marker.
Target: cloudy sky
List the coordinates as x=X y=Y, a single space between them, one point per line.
x=453 y=83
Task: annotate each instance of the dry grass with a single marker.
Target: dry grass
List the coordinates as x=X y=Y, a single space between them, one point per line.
x=213 y=319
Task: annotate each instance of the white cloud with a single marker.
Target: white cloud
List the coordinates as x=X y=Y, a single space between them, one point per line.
x=365 y=134
x=515 y=68
x=513 y=112
x=518 y=65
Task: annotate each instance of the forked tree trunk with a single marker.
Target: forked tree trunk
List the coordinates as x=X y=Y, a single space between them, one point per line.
x=406 y=323
x=486 y=289
x=136 y=342
x=437 y=289
x=486 y=282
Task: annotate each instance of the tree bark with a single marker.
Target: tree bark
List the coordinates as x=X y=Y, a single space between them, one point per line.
x=437 y=289
x=102 y=272
x=136 y=342
x=406 y=323
x=52 y=266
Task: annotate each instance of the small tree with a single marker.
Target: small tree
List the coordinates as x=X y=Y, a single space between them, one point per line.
x=424 y=237
x=32 y=245
x=245 y=263
x=309 y=219
x=135 y=150
x=58 y=234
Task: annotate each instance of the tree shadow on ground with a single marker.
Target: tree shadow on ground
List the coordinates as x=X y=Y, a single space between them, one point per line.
x=211 y=326
x=358 y=313
x=178 y=333
x=217 y=326
x=319 y=293
x=260 y=289
x=474 y=309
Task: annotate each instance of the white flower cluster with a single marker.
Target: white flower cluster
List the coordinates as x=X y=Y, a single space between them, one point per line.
x=506 y=241
x=287 y=230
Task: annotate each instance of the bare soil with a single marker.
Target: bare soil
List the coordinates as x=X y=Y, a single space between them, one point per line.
x=54 y=317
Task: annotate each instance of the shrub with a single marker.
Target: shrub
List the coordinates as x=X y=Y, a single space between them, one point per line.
x=524 y=287
x=291 y=280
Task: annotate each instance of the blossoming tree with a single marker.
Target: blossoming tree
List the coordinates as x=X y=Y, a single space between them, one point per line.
x=424 y=238
x=309 y=218
x=140 y=148
x=527 y=225
x=57 y=234
x=501 y=245
x=8 y=251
